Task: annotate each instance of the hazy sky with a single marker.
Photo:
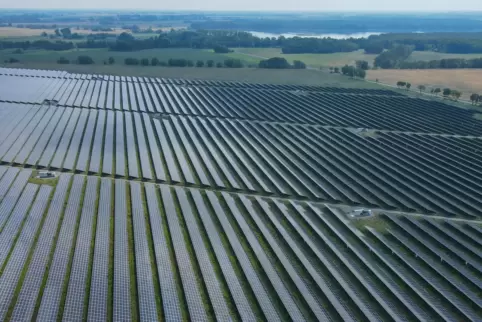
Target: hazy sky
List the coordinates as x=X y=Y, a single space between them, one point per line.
x=254 y=5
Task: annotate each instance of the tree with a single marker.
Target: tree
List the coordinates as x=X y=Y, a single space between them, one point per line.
x=361 y=73
x=63 y=60
x=219 y=65
x=210 y=63
x=66 y=32
x=154 y=61
x=199 y=63
x=474 y=98
x=437 y=91
x=298 y=64
x=348 y=71
x=57 y=33
x=362 y=64
x=220 y=49
x=408 y=85
x=233 y=63
x=274 y=63
x=44 y=34
x=85 y=60
x=446 y=92
x=111 y=60
x=455 y=94
x=131 y=61
x=421 y=88
x=336 y=70
x=145 y=61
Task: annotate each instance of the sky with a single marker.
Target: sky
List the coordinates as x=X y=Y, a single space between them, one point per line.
x=253 y=5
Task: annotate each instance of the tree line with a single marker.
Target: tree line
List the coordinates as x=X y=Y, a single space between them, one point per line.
x=223 y=40
x=449 y=63
x=272 y=63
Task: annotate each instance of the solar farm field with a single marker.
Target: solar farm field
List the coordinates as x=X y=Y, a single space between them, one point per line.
x=217 y=201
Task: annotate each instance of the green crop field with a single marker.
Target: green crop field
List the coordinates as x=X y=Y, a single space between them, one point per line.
x=100 y=55
x=313 y=60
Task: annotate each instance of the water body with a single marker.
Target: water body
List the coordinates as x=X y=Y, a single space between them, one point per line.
x=304 y=35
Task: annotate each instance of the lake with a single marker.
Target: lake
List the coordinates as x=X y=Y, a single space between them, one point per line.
x=304 y=35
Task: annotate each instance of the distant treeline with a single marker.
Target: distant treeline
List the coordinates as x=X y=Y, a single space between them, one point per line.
x=450 y=63
x=345 y=24
x=38 y=44
x=385 y=46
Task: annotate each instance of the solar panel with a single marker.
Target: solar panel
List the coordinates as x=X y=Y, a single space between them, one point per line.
x=165 y=268
x=268 y=268
x=74 y=303
x=122 y=296
x=59 y=152
x=254 y=281
x=191 y=289
x=52 y=292
x=131 y=147
x=18 y=257
x=156 y=157
x=26 y=300
x=145 y=285
x=95 y=158
x=100 y=267
x=108 y=143
x=143 y=150
x=74 y=143
x=120 y=166
x=212 y=284
x=86 y=145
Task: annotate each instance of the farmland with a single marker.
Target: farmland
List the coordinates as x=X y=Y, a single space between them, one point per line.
x=465 y=80
x=313 y=60
x=209 y=200
x=100 y=55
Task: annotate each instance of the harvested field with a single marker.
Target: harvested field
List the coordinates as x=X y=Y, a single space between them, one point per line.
x=467 y=81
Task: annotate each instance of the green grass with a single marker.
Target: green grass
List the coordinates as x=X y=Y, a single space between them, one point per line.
x=50 y=182
x=477 y=116
x=313 y=60
x=432 y=55
x=375 y=222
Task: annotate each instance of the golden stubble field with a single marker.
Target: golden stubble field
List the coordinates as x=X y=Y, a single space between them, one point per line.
x=467 y=81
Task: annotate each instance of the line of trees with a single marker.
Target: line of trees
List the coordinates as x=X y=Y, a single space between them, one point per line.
x=449 y=63
x=181 y=62
x=353 y=71
x=281 y=63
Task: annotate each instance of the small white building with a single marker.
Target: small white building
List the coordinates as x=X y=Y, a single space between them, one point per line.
x=359 y=213
x=46 y=175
